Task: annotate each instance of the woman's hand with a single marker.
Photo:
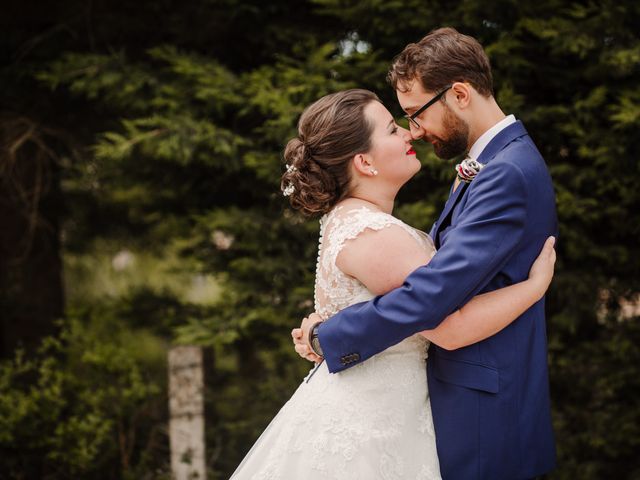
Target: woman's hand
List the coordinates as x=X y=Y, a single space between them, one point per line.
x=300 y=338
x=541 y=271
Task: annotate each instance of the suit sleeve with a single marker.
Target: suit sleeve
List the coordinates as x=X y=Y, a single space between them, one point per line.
x=476 y=249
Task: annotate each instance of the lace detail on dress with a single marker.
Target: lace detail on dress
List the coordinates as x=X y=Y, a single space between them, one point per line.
x=334 y=290
x=370 y=422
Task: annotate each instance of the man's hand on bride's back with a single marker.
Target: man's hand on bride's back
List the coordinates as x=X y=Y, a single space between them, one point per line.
x=541 y=271
x=300 y=338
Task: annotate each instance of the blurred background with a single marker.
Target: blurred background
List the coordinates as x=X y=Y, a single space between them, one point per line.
x=141 y=150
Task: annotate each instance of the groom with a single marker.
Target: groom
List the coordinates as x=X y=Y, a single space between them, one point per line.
x=490 y=400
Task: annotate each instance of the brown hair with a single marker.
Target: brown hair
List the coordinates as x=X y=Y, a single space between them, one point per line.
x=330 y=132
x=442 y=57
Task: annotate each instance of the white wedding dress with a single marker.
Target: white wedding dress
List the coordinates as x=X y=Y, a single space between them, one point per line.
x=371 y=421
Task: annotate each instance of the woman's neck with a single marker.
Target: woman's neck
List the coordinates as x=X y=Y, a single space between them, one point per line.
x=378 y=201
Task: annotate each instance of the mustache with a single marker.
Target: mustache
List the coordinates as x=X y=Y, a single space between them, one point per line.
x=431 y=138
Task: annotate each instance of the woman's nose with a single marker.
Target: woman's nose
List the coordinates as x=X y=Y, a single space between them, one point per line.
x=409 y=135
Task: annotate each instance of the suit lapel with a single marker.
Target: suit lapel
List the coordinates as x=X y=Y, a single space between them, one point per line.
x=497 y=143
x=501 y=140
x=448 y=207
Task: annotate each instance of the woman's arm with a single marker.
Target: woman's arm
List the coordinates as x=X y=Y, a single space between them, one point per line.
x=488 y=313
x=382 y=259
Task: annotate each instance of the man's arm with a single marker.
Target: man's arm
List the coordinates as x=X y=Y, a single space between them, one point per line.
x=482 y=317
x=488 y=313
x=485 y=237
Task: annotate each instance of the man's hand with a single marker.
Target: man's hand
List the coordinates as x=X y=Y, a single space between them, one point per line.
x=301 y=338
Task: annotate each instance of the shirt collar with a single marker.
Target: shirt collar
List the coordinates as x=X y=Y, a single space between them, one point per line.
x=484 y=139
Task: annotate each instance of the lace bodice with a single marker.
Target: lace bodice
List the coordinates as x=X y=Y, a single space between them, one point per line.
x=334 y=290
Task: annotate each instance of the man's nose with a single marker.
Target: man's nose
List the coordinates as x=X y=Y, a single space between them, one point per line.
x=416 y=132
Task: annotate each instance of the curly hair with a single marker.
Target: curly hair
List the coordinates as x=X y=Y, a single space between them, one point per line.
x=331 y=131
x=442 y=57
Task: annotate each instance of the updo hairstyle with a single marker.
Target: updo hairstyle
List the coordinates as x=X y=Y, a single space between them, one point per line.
x=331 y=131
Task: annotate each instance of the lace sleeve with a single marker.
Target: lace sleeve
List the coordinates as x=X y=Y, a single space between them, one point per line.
x=335 y=290
x=348 y=225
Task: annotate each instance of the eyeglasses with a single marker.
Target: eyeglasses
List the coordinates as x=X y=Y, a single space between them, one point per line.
x=412 y=117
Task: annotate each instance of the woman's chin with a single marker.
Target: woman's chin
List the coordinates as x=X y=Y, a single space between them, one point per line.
x=410 y=175
x=417 y=167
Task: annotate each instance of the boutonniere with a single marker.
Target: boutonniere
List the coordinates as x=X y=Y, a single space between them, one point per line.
x=468 y=169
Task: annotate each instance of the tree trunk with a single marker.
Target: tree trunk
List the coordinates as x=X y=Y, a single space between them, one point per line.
x=186 y=411
x=31 y=289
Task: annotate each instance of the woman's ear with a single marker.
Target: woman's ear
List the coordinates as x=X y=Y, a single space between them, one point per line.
x=362 y=164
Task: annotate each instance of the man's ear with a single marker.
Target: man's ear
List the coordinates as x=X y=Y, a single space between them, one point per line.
x=362 y=164
x=462 y=94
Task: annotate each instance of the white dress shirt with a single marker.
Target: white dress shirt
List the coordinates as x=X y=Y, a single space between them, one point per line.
x=484 y=139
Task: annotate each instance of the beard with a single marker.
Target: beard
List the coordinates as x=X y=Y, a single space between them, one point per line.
x=455 y=140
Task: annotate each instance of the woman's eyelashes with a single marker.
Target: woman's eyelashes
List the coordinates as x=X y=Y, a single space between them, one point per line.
x=394 y=130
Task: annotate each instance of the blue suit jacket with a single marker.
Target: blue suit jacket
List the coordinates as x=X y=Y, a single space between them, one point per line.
x=490 y=400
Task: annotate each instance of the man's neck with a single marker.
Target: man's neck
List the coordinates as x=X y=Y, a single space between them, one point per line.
x=487 y=114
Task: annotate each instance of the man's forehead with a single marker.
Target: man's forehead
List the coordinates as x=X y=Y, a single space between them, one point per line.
x=411 y=95
x=412 y=85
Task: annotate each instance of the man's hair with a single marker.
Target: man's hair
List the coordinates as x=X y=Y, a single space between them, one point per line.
x=441 y=58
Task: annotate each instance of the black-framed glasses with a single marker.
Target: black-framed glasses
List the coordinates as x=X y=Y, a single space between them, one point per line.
x=412 y=117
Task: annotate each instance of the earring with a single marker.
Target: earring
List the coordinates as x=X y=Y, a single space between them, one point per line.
x=374 y=172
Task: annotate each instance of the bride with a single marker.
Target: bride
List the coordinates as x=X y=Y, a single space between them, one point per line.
x=372 y=421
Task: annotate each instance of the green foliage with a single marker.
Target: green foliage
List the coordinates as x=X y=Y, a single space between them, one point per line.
x=598 y=419
x=77 y=407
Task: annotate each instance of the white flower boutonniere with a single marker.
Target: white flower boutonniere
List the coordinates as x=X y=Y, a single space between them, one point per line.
x=468 y=169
